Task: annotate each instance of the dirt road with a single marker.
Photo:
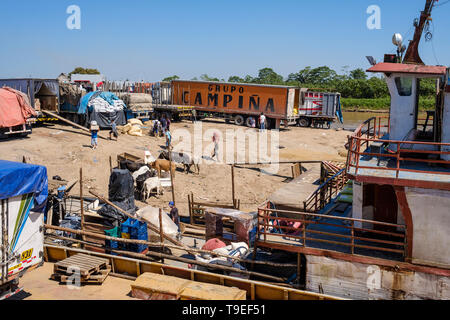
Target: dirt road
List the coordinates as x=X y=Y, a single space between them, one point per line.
x=63 y=150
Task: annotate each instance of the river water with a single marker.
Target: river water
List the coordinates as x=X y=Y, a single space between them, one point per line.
x=353 y=119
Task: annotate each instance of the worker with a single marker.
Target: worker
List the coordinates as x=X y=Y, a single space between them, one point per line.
x=215 y=139
x=94 y=134
x=168 y=124
x=156 y=125
x=194 y=115
x=113 y=131
x=163 y=123
x=168 y=139
x=262 y=122
x=174 y=216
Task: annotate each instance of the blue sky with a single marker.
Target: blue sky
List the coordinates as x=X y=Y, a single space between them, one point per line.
x=152 y=39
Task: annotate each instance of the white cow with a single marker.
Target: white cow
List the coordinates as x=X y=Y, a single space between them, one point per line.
x=149 y=185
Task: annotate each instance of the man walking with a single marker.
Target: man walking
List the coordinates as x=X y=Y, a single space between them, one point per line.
x=113 y=131
x=94 y=134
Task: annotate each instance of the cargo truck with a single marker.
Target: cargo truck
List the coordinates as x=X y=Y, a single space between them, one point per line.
x=239 y=102
x=43 y=94
x=23 y=198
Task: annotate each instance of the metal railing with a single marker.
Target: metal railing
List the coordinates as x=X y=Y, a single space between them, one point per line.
x=326 y=192
x=372 y=131
x=355 y=233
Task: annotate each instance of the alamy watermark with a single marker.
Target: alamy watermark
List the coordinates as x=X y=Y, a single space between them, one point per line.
x=230 y=146
x=374 y=20
x=73 y=22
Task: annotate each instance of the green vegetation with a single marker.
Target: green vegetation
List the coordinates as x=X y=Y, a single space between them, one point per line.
x=80 y=70
x=358 y=90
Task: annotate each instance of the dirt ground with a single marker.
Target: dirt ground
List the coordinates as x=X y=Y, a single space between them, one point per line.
x=64 y=150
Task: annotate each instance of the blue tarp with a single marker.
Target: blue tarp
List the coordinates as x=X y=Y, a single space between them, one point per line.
x=18 y=178
x=107 y=96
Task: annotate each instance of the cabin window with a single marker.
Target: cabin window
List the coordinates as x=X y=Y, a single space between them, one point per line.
x=404 y=86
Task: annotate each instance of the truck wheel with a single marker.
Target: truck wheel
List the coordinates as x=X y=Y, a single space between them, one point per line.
x=304 y=122
x=247 y=122
x=239 y=120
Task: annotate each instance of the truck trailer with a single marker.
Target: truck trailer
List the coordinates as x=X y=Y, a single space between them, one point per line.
x=239 y=102
x=23 y=198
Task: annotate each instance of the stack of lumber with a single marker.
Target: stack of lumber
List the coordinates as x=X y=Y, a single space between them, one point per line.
x=93 y=270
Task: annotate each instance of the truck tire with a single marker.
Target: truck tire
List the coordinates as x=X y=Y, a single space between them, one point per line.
x=239 y=120
x=247 y=122
x=304 y=122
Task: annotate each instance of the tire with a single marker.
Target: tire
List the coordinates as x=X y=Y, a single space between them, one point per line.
x=247 y=122
x=304 y=122
x=239 y=120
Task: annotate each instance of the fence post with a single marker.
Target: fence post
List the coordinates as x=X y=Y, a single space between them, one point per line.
x=353 y=237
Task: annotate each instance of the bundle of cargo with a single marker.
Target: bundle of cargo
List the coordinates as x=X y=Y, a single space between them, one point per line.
x=137 y=99
x=132 y=128
x=104 y=107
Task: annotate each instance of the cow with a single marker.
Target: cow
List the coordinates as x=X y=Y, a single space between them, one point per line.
x=183 y=158
x=162 y=165
x=149 y=185
x=130 y=165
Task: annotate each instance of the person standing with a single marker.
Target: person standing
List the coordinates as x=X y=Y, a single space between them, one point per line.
x=168 y=139
x=174 y=216
x=215 y=139
x=262 y=122
x=168 y=124
x=194 y=115
x=163 y=123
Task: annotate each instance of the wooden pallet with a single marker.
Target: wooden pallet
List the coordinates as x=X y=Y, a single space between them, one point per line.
x=87 y=264
x=96 y=278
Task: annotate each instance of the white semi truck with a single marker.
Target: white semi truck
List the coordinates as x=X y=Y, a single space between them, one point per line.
x=23 y=197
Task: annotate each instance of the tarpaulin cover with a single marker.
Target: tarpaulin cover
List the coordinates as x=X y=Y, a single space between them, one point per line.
x=30 y=87
x=15 y=108
x=121 y=193
x=84 y=102
x=105 y=119
x=18 y=178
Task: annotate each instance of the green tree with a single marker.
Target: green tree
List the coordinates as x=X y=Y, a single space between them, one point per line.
x=205 y=77
x=268 y=76
x=168 y=79
x=235 y=79
x=80 y=70
x=359 y=74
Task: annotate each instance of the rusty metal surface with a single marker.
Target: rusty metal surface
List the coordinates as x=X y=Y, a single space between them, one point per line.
x=386 y=67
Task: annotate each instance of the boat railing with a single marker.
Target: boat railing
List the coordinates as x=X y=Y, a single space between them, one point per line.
x=351 y=235
x=326 y=192
x=372 y=131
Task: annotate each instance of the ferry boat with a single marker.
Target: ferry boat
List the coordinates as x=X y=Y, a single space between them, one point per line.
x=391 y=242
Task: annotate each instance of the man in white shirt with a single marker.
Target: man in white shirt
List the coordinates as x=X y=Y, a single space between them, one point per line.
x=262 y=122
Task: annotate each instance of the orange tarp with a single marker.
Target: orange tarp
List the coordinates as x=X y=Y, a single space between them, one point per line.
x=15 y=108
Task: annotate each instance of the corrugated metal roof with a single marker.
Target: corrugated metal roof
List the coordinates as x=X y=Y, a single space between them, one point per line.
x=408 y=68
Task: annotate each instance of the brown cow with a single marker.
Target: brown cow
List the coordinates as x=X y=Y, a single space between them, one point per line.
x=163 y=165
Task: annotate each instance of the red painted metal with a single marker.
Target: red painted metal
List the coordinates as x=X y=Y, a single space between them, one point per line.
x=386 y=67
x=373 y=135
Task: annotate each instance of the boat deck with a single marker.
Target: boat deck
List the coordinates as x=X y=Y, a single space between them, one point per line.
x=335 y=235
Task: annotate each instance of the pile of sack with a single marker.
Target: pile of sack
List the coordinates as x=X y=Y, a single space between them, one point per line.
x=132 y=128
